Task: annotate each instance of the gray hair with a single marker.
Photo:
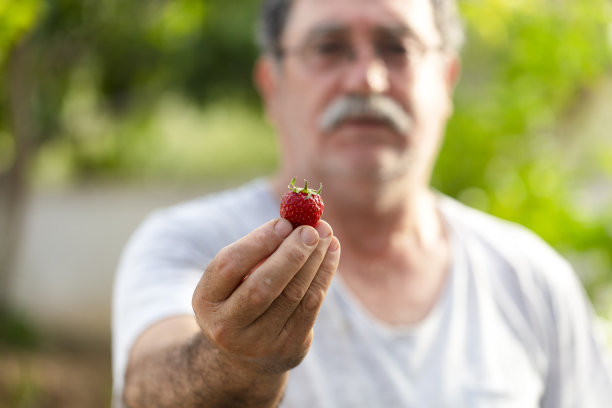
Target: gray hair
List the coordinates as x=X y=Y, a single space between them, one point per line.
x=274 y=15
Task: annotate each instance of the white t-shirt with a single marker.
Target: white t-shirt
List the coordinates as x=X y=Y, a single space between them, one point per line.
x=512 y=328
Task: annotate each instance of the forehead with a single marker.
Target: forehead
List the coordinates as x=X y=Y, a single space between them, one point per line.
x=309 y=15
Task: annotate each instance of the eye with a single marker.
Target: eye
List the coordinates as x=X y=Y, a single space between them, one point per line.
x=397 y=52
x=393 y=48
x=329 y=48
x=326 y=53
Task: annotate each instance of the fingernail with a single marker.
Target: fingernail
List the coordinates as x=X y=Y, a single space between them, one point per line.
x=283 y=228
x=334 y=245
x=323 y=229
x=309 y=236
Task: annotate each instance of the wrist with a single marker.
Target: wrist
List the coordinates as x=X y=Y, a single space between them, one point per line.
x=245 y=382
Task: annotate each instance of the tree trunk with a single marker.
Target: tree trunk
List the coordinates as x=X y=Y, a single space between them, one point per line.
x=13 y=182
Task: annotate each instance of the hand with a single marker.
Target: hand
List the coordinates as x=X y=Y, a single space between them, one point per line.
x=259 y=297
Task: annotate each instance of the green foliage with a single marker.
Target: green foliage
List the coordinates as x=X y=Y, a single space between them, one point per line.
x=527 y=64
x=16 y=19
x=17 y=331
x=175 y=141
x=136 y=51
x=118 y=61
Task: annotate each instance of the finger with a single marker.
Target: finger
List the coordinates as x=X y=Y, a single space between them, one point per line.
x=299 y=325
x=285 y=304
x=229 y=267
x=255 y=295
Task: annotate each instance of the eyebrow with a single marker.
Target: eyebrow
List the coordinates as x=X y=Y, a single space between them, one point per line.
x=396 y=30
x=326 y=29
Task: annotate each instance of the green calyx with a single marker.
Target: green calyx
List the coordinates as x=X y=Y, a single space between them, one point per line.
x=305 y=190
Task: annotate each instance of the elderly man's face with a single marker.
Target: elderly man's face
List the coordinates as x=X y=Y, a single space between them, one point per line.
x=362 y=90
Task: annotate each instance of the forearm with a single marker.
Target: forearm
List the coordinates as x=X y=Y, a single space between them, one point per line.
x=192 y=374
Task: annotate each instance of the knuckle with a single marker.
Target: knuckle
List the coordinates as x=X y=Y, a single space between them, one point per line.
x=297 y=257
x=261 y=238
x=295 y=349
x=294 y=292
x=257 y=295
x=327 y=268
x=313 y=299
x=295 y=359
x=221 y=262
x=201 y=303
x=221 y=335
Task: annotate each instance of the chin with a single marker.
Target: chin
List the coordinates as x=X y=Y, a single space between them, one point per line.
x=379 y=162
x=365 y=172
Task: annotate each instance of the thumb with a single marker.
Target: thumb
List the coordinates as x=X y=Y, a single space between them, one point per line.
x=234 y=262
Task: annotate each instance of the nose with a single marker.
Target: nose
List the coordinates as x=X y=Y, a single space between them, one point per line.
x=366 y=74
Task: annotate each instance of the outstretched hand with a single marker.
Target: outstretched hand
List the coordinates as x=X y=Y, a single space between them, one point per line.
x=259 y=297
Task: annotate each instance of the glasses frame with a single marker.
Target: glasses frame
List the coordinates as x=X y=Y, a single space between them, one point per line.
x=413 y=50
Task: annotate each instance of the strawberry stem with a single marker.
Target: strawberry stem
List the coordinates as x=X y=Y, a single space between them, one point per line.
x=292 y=185
x=309 y=193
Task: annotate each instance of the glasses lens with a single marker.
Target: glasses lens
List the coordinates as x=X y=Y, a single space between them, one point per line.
x=326 y=54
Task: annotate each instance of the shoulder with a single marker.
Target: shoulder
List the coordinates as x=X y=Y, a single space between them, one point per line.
x=537 y=294
x=508 y=240
x=533 y=287
x=518 y=263
x=241 y=203
x=208 y=223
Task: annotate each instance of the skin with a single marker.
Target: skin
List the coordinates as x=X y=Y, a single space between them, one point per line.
x=248 y=333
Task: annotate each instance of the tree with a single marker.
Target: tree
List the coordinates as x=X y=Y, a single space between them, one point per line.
x=136 y=50
x=17 y=132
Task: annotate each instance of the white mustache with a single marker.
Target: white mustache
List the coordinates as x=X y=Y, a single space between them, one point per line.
x=379 y=107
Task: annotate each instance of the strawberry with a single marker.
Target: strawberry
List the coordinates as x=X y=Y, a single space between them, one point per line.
x=301 y=206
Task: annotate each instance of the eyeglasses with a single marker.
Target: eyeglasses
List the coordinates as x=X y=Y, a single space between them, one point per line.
x=329 y=54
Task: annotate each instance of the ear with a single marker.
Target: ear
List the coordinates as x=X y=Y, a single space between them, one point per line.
x=265 y=77
x=453 y=72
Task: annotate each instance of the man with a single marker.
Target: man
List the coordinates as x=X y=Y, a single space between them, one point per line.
x=430 y=305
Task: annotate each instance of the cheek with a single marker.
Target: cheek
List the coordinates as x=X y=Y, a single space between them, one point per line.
x=299 y=111
x=295 y=108
x=295 y=128
x=430 y=96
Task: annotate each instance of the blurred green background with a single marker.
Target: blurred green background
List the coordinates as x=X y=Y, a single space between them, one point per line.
x=159 y=92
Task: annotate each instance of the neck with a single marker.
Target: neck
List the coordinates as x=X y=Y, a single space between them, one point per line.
x=388 y=224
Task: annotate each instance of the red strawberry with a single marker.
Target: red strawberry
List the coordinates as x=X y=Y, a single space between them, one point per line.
x=301 y=206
